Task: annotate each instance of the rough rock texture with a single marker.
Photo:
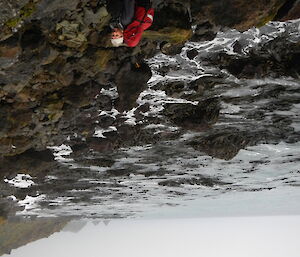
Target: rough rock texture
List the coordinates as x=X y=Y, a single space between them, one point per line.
x=235 y=13
x=289 y=11
x=277 y=58
x=55 y=60
x=191 y=116
x=14 y=234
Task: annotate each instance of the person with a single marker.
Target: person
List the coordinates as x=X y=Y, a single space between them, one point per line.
x=131 y=19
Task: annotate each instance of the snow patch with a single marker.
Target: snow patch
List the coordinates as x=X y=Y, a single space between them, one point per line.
x=60 y=152
x=100 y=132
x=20 y=181
x=30 y=202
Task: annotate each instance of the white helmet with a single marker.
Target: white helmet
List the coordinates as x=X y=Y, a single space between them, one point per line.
x=117 y=41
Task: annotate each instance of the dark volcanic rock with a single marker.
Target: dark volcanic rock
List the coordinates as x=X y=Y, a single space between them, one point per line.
x=277 y=58
x=191 y=54
x=289 y=11
x=131 y=80
x=55 y=60
x=235 y=13
x=173 y=89
x=171 y=49
x=224 y=145
x=168 y=13
x=205 y=32
x=30 y=160
x=190 y=116
x=199 y=180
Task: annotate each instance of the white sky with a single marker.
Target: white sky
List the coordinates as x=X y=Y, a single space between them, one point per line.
x=276 y=236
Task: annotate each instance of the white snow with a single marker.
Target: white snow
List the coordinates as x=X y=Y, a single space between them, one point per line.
x=60 y=152
x=29 y=203
x=99 y=132
x=130 y=118
x=20 y=181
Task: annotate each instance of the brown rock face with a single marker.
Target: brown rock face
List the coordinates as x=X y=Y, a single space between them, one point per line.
x=236 y=13
x=54 y=60
x=131 y=80
x=289 y=11
x=14 y=234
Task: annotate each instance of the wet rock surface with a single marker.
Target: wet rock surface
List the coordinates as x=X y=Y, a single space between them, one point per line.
x=17 y=233
x=197 y=129
x=55 y=59
x=91 y=131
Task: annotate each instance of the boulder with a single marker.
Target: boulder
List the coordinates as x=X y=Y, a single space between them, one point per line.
x=198 y=117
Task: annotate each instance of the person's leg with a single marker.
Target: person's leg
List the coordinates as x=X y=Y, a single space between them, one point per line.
x=144 y=3
x=115 y=8
x=127 y=12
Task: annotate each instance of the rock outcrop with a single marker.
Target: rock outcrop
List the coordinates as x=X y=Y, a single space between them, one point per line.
x=56 y=62
x=14 y=233
x=279 y=57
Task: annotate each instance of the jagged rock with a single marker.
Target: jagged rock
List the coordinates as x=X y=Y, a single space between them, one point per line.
x=16 y=233
x=191 y=54
x=289 y=11
x=167 y=14
x=171 y=49
x=224 y=145
x=235 y=13
x=276 y=58
x=53 y=52
x=191 y=116
x=199 y=180
x=131 y=80
x=205 y=83
x=205 y=32
x=32 y=161
x=125 y=136
x=174 y=89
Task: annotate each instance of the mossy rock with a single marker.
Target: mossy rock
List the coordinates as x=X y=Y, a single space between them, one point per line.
x=172 y=35
x=24 y=13
x=103 y=57
x=271 y=15
x=2 y=220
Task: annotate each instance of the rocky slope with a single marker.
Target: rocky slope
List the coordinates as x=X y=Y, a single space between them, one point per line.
x=219 y=119
x=62 y=83
x=17 y=233
x=55 y=62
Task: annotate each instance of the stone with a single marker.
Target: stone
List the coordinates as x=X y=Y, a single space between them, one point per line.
x=55 y=59
x=191 y=54
x=131 y=80
x=197 y=117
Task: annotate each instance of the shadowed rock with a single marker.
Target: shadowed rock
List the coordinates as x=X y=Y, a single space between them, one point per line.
x=276 y=58
x=223 y=145
x=30 y=160
x=53 y=52
x=199 y=180
x=190 y=116
x=131 y=80
x=15 y=234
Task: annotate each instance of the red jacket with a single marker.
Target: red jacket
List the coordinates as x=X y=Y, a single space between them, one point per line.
x=142 y=21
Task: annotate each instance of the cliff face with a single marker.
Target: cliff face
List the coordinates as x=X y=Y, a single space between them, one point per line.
x=56 y=64
x=14 y=234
